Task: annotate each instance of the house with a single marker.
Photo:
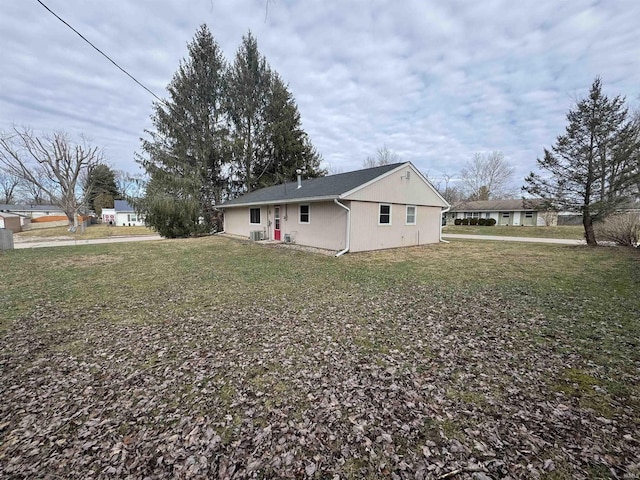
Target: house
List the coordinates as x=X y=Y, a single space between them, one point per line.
x=382 y=207
x=10 y=221
x=526 y=212
x=34 y=211
x=122 y=214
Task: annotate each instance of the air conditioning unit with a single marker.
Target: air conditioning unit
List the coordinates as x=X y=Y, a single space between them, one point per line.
x=256 y=235
x=287 y=238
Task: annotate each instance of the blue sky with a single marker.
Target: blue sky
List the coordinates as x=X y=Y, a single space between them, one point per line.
x=434 y=81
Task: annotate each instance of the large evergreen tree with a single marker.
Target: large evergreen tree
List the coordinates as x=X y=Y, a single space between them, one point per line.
x=187 y=152
x=101 y=184
x=593 y=167
x=224 y=131
x=249 y=80
x=284 y=146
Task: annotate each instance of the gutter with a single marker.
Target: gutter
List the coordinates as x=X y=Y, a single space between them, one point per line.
x=346 y=249
x=442 y=213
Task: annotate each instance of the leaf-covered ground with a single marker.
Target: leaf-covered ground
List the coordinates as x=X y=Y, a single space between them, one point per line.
x=240 y=361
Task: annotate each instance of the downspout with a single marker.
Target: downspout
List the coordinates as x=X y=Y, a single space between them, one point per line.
x=342 y=252
x=442 y=213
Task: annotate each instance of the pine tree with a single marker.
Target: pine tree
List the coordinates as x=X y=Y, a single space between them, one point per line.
x=187 y=152
x=593 y=167
x=100 y=182
x=285 y=146
x=248 y=82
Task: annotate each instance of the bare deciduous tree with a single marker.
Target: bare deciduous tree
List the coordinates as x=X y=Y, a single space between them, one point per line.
x=130 y=185
x=383 y=156
x=52 y=163
x=487 y=176
x=8 y=187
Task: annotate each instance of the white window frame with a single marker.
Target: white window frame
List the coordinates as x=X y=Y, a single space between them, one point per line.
x=380 y=205
x=528 y=214
x=132 y=217
x=259 y=215
x=308 y=205
x=415 y=215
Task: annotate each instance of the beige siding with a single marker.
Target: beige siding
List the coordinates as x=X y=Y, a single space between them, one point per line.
x=236 y=221
x=327 y=227
x=366 y=234
x=396 y=188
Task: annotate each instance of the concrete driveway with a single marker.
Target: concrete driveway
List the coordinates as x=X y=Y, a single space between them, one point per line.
x=69 y=243
x=561 y=241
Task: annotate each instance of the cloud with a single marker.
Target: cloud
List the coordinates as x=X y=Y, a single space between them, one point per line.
x=433 y=81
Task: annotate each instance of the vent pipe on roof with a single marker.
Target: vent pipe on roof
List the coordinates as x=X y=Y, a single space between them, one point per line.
x=299 y=172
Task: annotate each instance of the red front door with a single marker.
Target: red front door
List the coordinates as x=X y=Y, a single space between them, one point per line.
x=276 y=222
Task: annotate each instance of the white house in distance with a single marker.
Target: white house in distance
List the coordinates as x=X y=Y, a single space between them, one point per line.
x=382 y=207
x=122 y=214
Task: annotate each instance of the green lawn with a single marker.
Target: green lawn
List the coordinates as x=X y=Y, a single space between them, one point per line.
x=568 y=232
x=211 y=357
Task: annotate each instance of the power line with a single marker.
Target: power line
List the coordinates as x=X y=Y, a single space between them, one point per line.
x=101 y=52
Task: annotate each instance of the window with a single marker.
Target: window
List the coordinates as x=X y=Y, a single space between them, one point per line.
x=411 y=214
x=304 y=213
x=254 y=216
x=471 y=214
x=132 y=217
x=384 y=218
x=528 y=214
x=504 y=214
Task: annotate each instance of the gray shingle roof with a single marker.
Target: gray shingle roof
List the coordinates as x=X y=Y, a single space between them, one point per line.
x=27 y=207
x=331 y=186
x=122 y=206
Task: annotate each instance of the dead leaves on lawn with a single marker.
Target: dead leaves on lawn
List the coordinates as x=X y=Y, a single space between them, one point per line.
x=401 y=386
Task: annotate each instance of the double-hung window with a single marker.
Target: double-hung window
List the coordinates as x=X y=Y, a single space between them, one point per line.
x=305 y=213
x=254 y=216
x=384 y=214
x=411 y=215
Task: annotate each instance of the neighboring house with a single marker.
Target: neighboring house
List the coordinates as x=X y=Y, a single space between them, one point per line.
x=382 y=207
x=10 y=221
x=33 y=211
x=122 y=214
x=527 y=212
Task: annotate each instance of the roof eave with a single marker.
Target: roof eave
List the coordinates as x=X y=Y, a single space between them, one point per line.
x=281 y=201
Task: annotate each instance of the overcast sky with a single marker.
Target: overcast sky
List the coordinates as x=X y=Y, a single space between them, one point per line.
x=434 y=81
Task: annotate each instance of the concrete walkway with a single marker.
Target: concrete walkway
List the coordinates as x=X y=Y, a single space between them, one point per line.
x=561 y=241
x=69 y=243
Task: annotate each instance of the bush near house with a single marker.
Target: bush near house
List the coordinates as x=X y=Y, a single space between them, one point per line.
x=489 y=222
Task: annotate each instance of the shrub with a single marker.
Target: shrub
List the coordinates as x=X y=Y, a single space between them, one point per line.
x=622 y=229
x=457 y=221
x=482 y=221
x=473 y=221
x=465 y=221
x=491 y=222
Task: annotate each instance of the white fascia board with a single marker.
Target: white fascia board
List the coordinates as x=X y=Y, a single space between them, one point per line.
x=281 y=202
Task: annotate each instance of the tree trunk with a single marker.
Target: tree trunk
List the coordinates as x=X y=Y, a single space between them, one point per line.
x=589 y=234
